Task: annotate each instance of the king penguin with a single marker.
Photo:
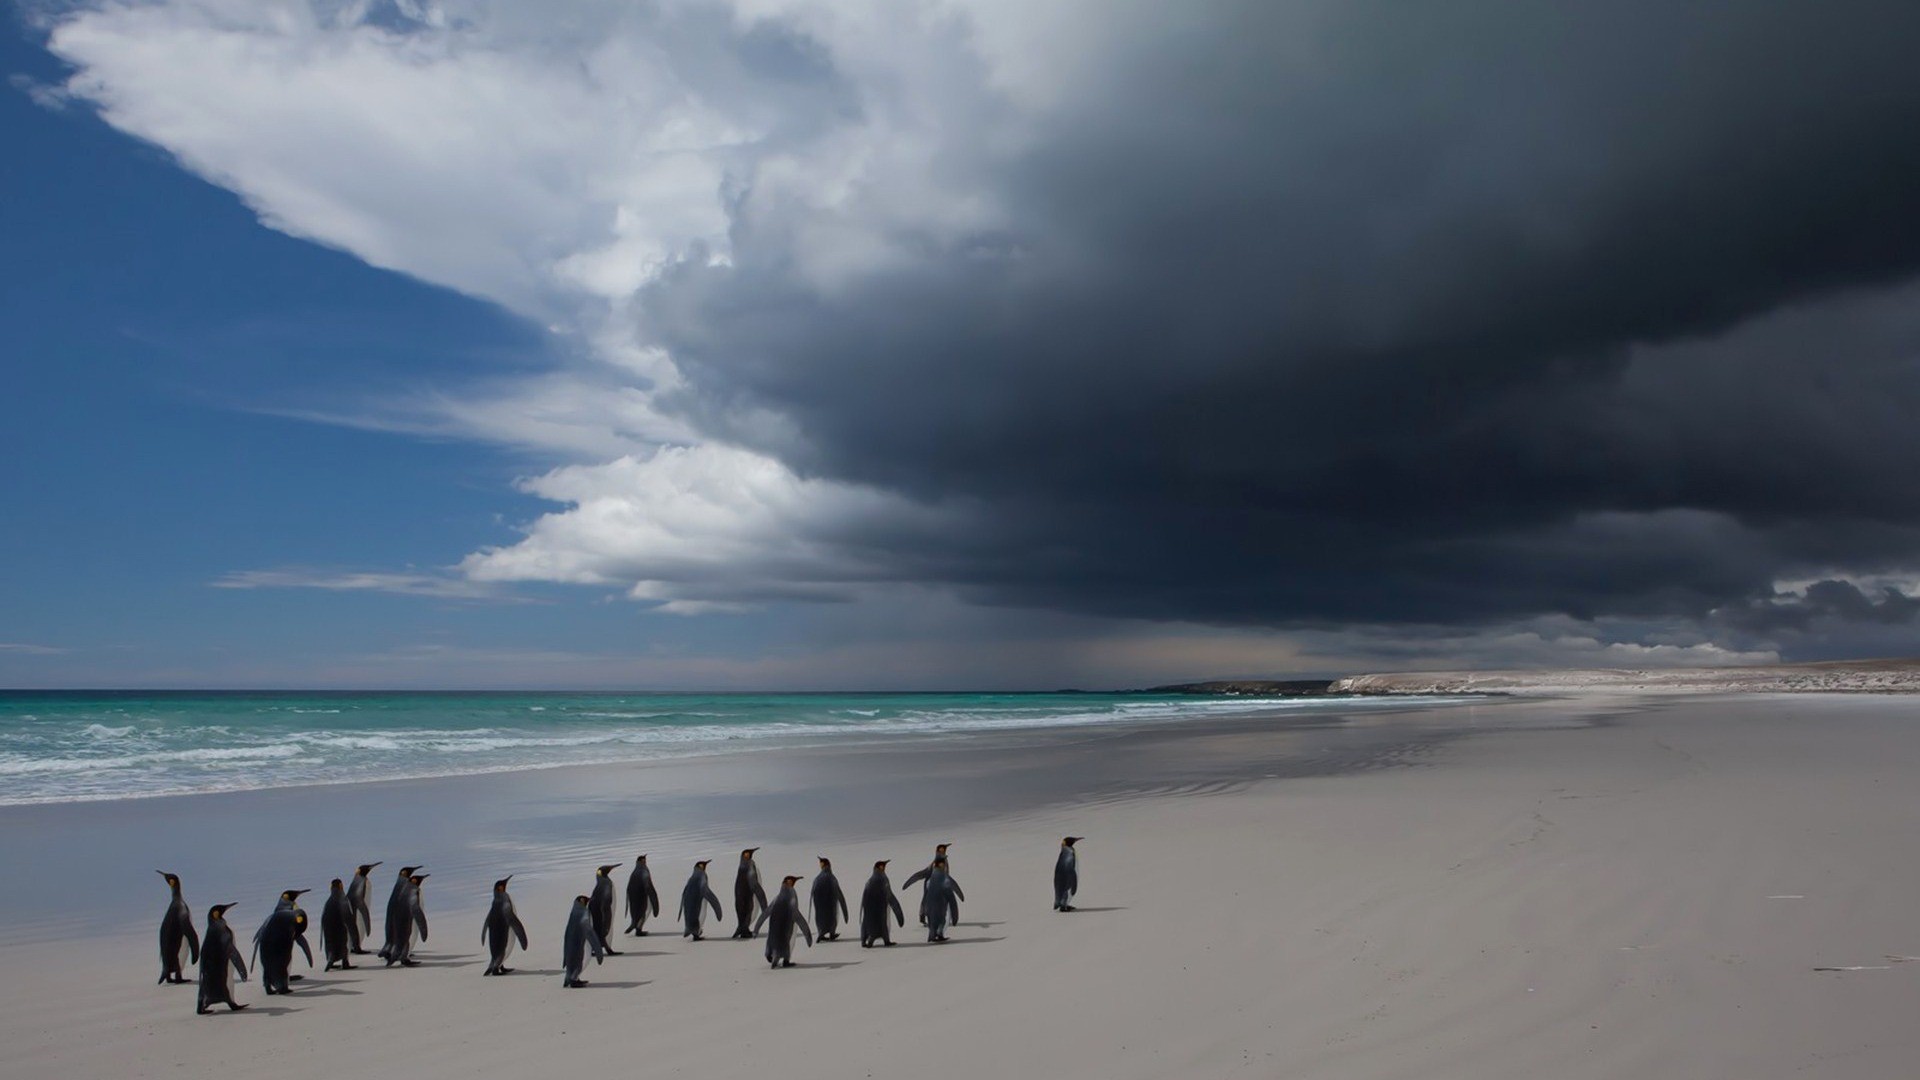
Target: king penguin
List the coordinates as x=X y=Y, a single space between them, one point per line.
x=337 y=926
x=1066 y=874
x=939 y=855
x=875 y=901
x=273 y=943
x=399 y=921
x=500 y=930
x=780 y=917
x=829 y=903
x=694 y=900
x=580 y=938
x=361 y=925
x=640 y=898
x=941 y=900
x=219 y=963
x=179 y=945
x=600 y=905
x=747 y=893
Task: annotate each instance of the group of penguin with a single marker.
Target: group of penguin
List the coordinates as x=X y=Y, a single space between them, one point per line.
x=346 y=920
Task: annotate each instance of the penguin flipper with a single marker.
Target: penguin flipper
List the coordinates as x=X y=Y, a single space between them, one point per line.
x=899 y=917
x=239 y=965
x=806 y=931
x=193 y=942
x=840 y=895
x=762 y=921
x=957 y=890
x=302 y=942
x=653 y=899
x=520 y=932
x=714 y=902
x=917 y=875
x=420 y=922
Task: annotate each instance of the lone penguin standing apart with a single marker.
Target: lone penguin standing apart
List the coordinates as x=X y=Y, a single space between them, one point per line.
x=600 y=906
x=941 y=900
x=829 y=903
x=1066 y=874
x=399 y=923
x=219 y=962
x=780 y=918
x=500 y=929
x=337 y=927
x=747 y=893
x=580 y=939
x=361 y=925
x=939 y=855
x=273 y=943
x=179 y=945
x=875 y=900
x=640 y=897
x=694 y=900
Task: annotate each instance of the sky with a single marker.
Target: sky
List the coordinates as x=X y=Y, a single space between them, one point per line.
x=848 y=344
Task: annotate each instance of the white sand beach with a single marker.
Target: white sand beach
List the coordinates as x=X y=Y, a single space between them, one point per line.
x=1697 y=887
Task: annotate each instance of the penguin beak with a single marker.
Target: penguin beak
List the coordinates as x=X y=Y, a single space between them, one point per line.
x=506 y=879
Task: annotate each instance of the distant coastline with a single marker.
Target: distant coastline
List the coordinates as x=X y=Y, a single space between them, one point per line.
x=1881 y=676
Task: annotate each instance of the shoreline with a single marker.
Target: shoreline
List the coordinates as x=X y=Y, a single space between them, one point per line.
x=849 y=737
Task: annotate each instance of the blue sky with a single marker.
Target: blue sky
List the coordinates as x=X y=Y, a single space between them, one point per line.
x=848 y=344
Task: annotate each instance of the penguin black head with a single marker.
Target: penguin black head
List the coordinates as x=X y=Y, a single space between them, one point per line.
x=607 y=869
x=217 y=912
x=825 y=863
x=881 y=866
x=1071 y=840
x=940 y=862
x=172 y=879
x=501 y=885
x=292 y=894
x=788 y=881
x=337 y=885
x=747 y=854
x=641 y=861
x=702 y=864
x=365 y=868
x=581 y=901
x=407 y=871
x=418 y=878
x=940 y=850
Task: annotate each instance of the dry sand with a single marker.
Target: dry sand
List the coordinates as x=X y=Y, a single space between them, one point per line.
x=1584 y=889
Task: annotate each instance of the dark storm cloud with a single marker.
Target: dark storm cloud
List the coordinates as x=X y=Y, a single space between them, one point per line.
x=1367 y=312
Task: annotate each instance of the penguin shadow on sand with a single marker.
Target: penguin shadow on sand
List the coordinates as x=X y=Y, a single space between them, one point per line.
x=824 y=965
x=454 y=960
x=325 y=990
x=949 y=941
x=1091 y=910
x=614 y=984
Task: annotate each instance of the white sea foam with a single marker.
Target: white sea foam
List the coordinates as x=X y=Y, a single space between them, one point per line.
x=269 y=745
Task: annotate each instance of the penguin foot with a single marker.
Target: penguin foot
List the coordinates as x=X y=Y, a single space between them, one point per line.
x=1066 y=907
x=641 y=933
x=201 y=1010
x=504 y=971
x=409 y=963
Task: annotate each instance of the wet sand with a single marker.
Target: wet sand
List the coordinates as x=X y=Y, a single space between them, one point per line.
x=1589 y=887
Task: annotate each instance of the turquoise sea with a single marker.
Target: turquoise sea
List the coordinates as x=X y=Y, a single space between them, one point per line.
x=67 y=746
